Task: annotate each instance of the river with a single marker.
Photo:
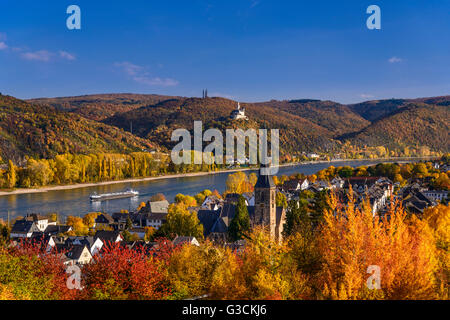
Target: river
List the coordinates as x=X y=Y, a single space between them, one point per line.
x=76 y=201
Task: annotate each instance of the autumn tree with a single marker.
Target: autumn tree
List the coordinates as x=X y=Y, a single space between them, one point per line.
x=351 y=240
x=185 y=200
x=281 y=200
x=149 y=233
x=192 y=268
x=157 y=197
x=78 y=226
x=11 y=175
x=438 y=218
x=89 y=219
x=29 y=272
x=121 y=273
x=263 y=270
x=239 y=182
x=181 y=222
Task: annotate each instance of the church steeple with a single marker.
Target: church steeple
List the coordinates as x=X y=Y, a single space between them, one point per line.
x=265 y=203
x=264 y=180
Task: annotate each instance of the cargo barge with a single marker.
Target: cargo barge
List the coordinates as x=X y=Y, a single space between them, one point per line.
x=116 y=195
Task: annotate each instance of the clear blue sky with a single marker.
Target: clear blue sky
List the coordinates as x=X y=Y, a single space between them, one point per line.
x=249 y=50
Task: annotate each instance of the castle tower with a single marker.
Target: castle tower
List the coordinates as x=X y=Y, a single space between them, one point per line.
x=265 y=203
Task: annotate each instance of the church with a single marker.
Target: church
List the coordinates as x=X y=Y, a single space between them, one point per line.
x=238 y=113
x=263 y=213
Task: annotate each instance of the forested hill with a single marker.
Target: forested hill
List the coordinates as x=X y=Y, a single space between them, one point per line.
x=100 y=106
x=103 y=123
x=336 y=117
x=157 y=121
x=377 y=109
x=416 y=124
x=42 y=131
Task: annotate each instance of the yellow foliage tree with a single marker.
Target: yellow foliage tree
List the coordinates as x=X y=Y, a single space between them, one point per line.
x=78 y=226
x=351 y=240
x=438 y=218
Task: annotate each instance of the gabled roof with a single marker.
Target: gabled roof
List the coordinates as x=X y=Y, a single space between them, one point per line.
x=207 y=219
x=57 y=229
x=182 y=239
x=75 y=251
x=265 y=181
x=232 y=197
x=24 y=226
x=86 y=240
x=107 y=236
x=104 y=218
x=292 y=184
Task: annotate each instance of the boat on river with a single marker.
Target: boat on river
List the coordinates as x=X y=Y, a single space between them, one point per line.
x=115 y=195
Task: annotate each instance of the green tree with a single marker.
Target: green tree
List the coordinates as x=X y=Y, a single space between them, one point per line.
x=241 y=221
x=319 y=205
x=296 y=217
x=4 y=234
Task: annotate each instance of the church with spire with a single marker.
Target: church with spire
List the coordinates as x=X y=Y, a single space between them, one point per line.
x=264 y=212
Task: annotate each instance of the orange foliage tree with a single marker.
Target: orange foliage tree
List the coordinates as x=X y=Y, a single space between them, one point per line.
x=351 y=240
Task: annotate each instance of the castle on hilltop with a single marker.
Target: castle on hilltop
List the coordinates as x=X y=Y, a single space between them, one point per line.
x=238 y=113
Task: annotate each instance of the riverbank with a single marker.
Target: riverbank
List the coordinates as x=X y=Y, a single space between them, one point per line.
x=193 y=174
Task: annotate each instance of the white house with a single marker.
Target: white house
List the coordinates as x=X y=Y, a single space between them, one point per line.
x=77 y=254
x=295 y=185
x=156 y=220
x=23 y=229
x=337 y=183
x=436 y=195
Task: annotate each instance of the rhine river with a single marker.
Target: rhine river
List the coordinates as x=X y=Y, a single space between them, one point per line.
x=76 y=201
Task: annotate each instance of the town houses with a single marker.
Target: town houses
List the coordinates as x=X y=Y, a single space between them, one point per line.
x=215 y=213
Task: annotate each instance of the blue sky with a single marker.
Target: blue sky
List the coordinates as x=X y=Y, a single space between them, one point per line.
x=248 y=50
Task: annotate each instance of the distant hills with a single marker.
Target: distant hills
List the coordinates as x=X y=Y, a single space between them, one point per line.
x=415 y=124
x=100 y=106
x=103 y=123
x=376 y=109
x=43 y=131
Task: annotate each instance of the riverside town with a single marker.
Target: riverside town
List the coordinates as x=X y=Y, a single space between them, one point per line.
x=224 y=159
